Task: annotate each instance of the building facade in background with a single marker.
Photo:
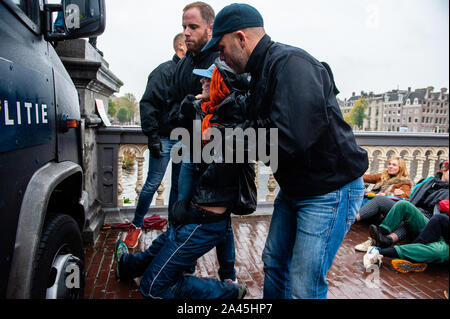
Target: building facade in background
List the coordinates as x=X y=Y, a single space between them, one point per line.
x=421 y=110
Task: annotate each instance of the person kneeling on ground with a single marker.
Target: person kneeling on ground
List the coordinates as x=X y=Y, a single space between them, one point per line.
x=219 y=189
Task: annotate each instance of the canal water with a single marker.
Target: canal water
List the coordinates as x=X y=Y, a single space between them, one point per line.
x=129 y=178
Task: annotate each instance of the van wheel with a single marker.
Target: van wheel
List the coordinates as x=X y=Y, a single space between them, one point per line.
x=59 y=265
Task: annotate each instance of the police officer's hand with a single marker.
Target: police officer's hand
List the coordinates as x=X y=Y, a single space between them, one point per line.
x=155 y=149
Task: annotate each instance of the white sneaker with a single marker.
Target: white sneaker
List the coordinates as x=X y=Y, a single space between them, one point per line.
x=372 y=257
x=363 y=246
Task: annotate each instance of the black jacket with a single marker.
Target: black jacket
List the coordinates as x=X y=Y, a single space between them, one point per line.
x=429 y=193
x=230 y=185
x=292 y=91
x=154 y=106
x=185 y=82
x=231 y=110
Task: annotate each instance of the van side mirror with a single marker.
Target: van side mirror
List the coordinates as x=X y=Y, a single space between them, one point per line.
x=74 y=19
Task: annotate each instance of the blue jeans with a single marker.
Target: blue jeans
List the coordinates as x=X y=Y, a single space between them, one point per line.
x=225 y=250
x=156 y=170
x=186 y=176
x=304 y=237
x=162 y=265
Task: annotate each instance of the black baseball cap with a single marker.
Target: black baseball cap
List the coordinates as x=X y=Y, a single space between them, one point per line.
x=233 y=17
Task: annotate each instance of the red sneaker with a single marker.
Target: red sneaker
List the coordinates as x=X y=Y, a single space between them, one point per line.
x=133 y=235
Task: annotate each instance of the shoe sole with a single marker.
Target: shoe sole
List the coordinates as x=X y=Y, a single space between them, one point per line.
x=244 y=292
x=116 y=247
x=405 y=266
x=137 y=241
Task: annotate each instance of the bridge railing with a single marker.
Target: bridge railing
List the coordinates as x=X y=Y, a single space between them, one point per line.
x=421 y=152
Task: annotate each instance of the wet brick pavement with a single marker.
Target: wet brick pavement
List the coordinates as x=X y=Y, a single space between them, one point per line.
x=347 y=277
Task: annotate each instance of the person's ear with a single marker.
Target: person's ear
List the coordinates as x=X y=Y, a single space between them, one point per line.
x=241 y=38
x=210 y=28
x=181 y=47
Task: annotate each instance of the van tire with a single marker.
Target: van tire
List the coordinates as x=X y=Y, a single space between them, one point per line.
x=61 y=238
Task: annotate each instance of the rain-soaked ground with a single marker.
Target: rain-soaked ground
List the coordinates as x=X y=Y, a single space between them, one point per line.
x=347 y=277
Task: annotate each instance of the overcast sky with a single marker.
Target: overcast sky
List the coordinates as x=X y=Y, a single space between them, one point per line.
x=371 y=45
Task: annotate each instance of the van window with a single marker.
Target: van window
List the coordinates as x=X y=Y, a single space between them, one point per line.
x=30 y=8
x=22 y=4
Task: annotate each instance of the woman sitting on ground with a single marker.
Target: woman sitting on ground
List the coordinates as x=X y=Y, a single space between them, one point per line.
x=424 y=199
x=393 y=181
x=392 y=184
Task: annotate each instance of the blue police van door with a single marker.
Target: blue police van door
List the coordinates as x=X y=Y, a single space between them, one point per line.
x=27 y=117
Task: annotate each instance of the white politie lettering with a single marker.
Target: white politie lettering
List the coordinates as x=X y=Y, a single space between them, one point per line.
x=28 y=106
x=40 y=113
x=8 y=121
x=19 y=117
x=44 y=113
x=37 y=113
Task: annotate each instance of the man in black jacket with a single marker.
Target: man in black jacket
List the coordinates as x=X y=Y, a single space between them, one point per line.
x=319 y=165
x=163 y=265
x=197 y=23
x=154 y=112
x=185 y=82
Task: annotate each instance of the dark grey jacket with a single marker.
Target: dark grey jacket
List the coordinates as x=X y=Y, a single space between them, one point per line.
x=231 y=185
x=429 y=193
x=154 y=107
x=184 y=82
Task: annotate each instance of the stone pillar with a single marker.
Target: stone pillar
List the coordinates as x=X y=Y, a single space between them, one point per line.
x=419 y=172
x=384 y=162
x=140 y=180
x=256 y=173
x=408 y=159
x=119 y=180
x=370 y=168
x=432 y=163
x=93 y=80
x=159 y=201
x=271 y=186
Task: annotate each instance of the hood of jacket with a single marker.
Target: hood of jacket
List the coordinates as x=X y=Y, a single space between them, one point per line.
x=233 y=81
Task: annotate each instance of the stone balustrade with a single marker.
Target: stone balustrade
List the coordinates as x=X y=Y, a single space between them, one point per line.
x=421 y=152
x=103 y=147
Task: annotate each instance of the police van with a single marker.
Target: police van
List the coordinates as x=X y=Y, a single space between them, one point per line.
x=42 y=203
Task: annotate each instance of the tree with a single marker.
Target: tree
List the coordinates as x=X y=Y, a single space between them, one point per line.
x=129 y=101
x=357 y=114
x=123 y=115
x=347 y=119
x=112 y=107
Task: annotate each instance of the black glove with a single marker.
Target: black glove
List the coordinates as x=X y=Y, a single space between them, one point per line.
x=155 y=149
x=187 y=109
